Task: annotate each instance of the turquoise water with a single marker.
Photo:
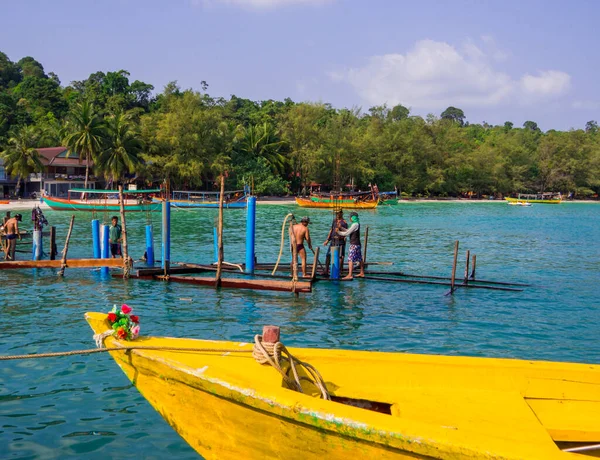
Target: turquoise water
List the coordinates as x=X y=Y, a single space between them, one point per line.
x=84 y=407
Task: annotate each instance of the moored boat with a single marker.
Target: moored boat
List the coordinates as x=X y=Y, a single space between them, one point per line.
x=236 y=199
x=544 y=198
x=102 y=200
x=383 y=405
x=336 y=200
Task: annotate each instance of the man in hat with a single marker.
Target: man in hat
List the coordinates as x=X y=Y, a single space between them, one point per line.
x=301 y=233
x=333 y=239
x=11 y=229
x=355 y=251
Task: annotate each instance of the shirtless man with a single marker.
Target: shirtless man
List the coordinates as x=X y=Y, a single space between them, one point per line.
x=301 y=233
x=11 y=228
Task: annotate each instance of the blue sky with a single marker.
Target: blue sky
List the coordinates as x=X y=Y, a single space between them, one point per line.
x=498 y=61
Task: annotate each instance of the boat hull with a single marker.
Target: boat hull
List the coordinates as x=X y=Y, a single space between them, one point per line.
x=225 y=405
x=59 y=204
x=515 y=200
x=203 y=204
x=330 y=204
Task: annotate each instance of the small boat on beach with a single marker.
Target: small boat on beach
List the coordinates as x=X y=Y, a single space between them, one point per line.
x=4 y=202
x=227 y=405
x=543 y=198
x=364 y=200
x=236 y=199
x=103 y=200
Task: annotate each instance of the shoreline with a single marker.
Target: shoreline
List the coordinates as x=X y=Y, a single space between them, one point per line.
x=273 y=201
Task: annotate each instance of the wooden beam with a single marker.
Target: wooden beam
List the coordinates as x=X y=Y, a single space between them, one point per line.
x=71 y=263
x=240 y=283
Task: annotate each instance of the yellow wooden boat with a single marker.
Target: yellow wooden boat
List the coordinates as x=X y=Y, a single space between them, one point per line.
x=227 y=406
x=542 y=198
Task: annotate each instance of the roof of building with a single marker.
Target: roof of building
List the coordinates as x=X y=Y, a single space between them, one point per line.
x=57 y=156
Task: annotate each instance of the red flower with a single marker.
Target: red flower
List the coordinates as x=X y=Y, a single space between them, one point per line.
x=135 y=318
x=125 y=309
x=121 y=333
x=112 y=317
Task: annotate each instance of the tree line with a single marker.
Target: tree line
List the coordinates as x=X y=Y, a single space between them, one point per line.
x=278 y=147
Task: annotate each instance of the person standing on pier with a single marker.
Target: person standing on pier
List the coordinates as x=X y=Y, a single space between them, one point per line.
x=114 y=237
x=355 y=251
x=301 y=233
x=11 y=228
x=333 y=239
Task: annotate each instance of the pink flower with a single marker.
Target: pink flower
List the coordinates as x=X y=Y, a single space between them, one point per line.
x=125 y=309
x=135 y=331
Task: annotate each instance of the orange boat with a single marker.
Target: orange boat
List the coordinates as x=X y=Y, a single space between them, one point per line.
x=4 y=202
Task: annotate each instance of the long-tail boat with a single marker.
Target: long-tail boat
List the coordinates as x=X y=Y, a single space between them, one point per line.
x=543 y=198
x=235 y=199
x=103 y=200
x=382 y=405
x=364 y=200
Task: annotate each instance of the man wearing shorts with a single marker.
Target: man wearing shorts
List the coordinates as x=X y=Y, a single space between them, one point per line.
x=355 y=251
x=114 y=237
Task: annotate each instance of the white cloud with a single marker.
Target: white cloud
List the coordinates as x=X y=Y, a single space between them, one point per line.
x=585 y=105
x=264 y=4
x=434 y=75
x=549 y=82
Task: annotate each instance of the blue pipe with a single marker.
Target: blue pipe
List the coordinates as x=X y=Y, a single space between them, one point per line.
x=250 y=234
x=96 y=238
x=149 y=246
x=105 y=248
x=37 y=249
x=216 y=244
x=335 y=262
x=166 y=233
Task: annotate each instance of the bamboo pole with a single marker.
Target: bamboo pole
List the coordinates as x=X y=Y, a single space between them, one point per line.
x=466 y=280
x=220 y=235
x=63 y=262
x=454 y=268
x=410 y=275
x=473 y=270
x=53 y=243
x=294 y=251
x=315 y=262
x=126 y=263
x=439 y=283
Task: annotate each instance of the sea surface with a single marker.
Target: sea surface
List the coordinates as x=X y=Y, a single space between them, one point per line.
x=85 y=407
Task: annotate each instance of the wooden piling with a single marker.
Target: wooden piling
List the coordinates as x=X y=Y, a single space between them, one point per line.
x=126 y=263
x=454 y=268
x=315 y=262
x=466 y=280
x=473 y=270
x=365 y=248
x=63 y=262
x=294 y=251
x=220 y=235
x=53 y=250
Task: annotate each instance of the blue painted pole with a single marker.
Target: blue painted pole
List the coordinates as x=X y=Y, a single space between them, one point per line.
x=335 y=262
x=96 y=238
x=216 y=244
x=105 y=247
x=250 y=234
x=149 y=245
x=166 y=234
x=37 y=250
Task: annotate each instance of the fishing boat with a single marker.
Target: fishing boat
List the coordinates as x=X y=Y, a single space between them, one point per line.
x=4 y=202
x=545 y=198
x=365 y=200
x=382 y=405
x=103 y=200
x=193 y=199
x=388 y=198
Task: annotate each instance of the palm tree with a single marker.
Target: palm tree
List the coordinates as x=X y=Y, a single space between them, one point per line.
x=262 y=141
x=121 y=149
x=84 y=134
x=21 y=157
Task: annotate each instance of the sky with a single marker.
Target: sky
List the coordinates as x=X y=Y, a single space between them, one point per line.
x=498 y=61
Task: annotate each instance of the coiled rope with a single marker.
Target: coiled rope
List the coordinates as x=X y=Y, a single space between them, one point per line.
x=274 y=354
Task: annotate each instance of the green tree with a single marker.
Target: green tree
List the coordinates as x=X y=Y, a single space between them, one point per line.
x=84 y=134
x=122 y=147
x=21 y=157
x=531 y=126
x=454 y=114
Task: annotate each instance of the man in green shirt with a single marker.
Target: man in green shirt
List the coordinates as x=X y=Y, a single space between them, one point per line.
x=114 y=237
